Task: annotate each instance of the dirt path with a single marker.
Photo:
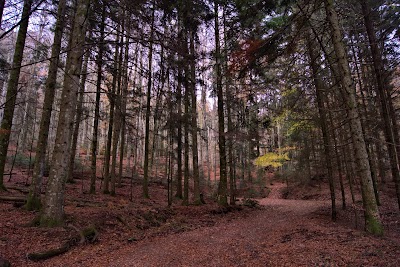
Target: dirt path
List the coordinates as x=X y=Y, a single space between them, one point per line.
x=283 y=233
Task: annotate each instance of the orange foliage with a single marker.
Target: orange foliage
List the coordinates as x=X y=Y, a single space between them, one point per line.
x=244 y=55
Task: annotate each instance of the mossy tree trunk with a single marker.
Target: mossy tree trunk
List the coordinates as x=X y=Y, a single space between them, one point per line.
x=12 y=89
x=53 y=209
x=33 y=201
x=389 y=125
x=372 y=218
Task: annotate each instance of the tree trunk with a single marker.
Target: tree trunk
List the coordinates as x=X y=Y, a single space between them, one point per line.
x=33 y=201
x=118 y=118
x=222 y=188
x=372 y=218
x=123 y=110
x=195 y=156
x=389 y=125
x=179 y=137
x=319 y=88
x=186 y=173
x=112 y=97
x=229 y=103
x=12 y=90
x=78 y=117
x=53 y=210
x=148 y=111
x=97 y=104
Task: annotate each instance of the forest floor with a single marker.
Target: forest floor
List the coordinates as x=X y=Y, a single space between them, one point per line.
x=277 y=232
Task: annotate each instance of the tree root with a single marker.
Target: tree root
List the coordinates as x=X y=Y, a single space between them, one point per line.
x=88 y=235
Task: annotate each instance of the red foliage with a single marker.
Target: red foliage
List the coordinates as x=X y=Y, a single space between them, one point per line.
x=246 y=54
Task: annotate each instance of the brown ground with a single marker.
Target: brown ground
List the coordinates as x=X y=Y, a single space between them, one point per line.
x=283 y=232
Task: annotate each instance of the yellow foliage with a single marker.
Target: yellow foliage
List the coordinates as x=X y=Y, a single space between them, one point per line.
x=271 y=159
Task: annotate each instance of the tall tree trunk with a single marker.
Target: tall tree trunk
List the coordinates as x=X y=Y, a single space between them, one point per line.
x=179 y=136
x=112 y=97
x=186 y=173
x=53 y=210
x=78 y=117
x=195 y=156
x=229 y=103
x=33 y=200
x=222 y=187
x=12 y=90
x=323 y=120
x=118 y=118
x=389 y=125
x=123 y=109
x=99 y=64
x=148 y=111
x=372 y=218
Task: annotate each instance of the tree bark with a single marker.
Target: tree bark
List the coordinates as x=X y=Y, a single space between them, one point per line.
x=319 y=88
x=179 y=136
x=389 y=125
x=53 y=210
x=78 y=117
x=97 y=104
x=112 y=97
x=195 y=156
x=148 y=111
x=372 y=218
x=12 y=90
x=33 y=202
x=117 y=120
x=222 y=187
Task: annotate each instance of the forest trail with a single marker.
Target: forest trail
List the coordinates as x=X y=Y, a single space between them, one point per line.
x=282 y=233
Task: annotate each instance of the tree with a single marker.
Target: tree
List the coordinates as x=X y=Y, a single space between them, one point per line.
x=53 y=209
x=222 y=187
x=99 y=65
x=390 y=127
x=148 y=110
x=372 y=218
x=33 y=201
x=319 y=89
x=12 y=89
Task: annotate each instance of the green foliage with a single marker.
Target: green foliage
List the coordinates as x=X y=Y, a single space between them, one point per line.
x=299 y=126
x=271 y=159
x=21 y=160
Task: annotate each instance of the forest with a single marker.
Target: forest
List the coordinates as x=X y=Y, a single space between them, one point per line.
x=129 y=126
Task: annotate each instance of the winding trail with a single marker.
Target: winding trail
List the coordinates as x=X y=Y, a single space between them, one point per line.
x=283 y=233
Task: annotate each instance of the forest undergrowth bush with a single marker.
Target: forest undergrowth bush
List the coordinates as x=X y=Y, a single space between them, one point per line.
x=21 y=160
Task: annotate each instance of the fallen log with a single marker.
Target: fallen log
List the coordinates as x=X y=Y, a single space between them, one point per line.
x=20 y=189
x=13 y=198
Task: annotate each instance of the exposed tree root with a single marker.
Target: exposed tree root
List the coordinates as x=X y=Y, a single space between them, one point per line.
x=88 y=235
